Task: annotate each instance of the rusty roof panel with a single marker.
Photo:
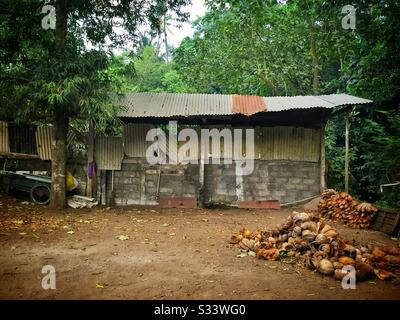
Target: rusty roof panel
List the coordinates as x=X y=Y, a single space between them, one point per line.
x=248 y=105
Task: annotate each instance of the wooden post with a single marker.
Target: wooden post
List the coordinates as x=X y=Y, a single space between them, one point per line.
x=346 y=154
x=90 y=181
x=322 y=159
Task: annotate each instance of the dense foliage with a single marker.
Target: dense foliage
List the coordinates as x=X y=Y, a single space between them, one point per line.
x=299 y=47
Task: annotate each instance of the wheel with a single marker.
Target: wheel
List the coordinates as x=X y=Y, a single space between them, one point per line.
x=40 y=194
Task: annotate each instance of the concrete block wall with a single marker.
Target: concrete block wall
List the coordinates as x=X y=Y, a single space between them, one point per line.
x=136 y=182
x=219 y=184
x=286 y=181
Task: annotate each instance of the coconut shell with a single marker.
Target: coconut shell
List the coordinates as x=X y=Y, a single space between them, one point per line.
x=311 y=263
x=347 y=261
x=235 y=239
x=246 y=233
x=296 y=231
x=283 y=238
x=363 y=271
x=308 y=235
x=395 y=260
x=321 y=238
x=340 y=274
x=244 y=244
x=308 y=225
x=268 y=254
x=378 y=254
x=325 y=267
x=300 y=216
x=338 y=265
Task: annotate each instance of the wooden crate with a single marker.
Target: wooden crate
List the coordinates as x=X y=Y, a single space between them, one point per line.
x=387 y=220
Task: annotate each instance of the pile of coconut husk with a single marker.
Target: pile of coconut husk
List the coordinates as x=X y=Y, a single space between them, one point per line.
x=340 y=206
x=304 y=237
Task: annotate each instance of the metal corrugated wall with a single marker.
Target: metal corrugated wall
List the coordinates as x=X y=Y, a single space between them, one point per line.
x=4 y=144
x=108 y=153
x=22 y=138
x=44 y=136
x=271 y=143
x=287 y=143
x=134 y=139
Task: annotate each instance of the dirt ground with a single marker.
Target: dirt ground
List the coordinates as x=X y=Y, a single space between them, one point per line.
x=170 y=254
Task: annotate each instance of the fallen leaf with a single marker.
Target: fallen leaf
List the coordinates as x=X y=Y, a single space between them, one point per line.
x=99 y=286
x=122 y=237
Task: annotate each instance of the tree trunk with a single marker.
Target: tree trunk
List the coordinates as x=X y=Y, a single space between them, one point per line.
x=166 y=39
x=314 y=56
x=60 y=121
x=59 y=159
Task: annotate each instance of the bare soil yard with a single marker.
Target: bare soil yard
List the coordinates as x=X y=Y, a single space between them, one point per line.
x=170 y=254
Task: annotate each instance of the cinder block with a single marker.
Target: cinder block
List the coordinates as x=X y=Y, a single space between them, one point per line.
x=309 y=181
x=281 y=181
x=294 y=180
x=166 y=190
x=302 y=187
x=279 y=193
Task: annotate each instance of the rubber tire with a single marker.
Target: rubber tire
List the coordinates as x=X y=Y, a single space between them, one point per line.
x=31 y=193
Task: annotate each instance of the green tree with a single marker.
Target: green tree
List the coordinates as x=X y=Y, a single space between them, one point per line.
x=54 y=74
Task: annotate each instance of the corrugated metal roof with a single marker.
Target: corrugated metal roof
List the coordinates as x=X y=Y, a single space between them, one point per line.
x=139 y=105
x=296 y=102
x=108 y=153
x=4 y=145
x=344 y=99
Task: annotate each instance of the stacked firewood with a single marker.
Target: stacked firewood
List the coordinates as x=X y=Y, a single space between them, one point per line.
x=340 y=206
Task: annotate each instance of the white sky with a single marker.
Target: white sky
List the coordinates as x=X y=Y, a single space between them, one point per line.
x=176 y=35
